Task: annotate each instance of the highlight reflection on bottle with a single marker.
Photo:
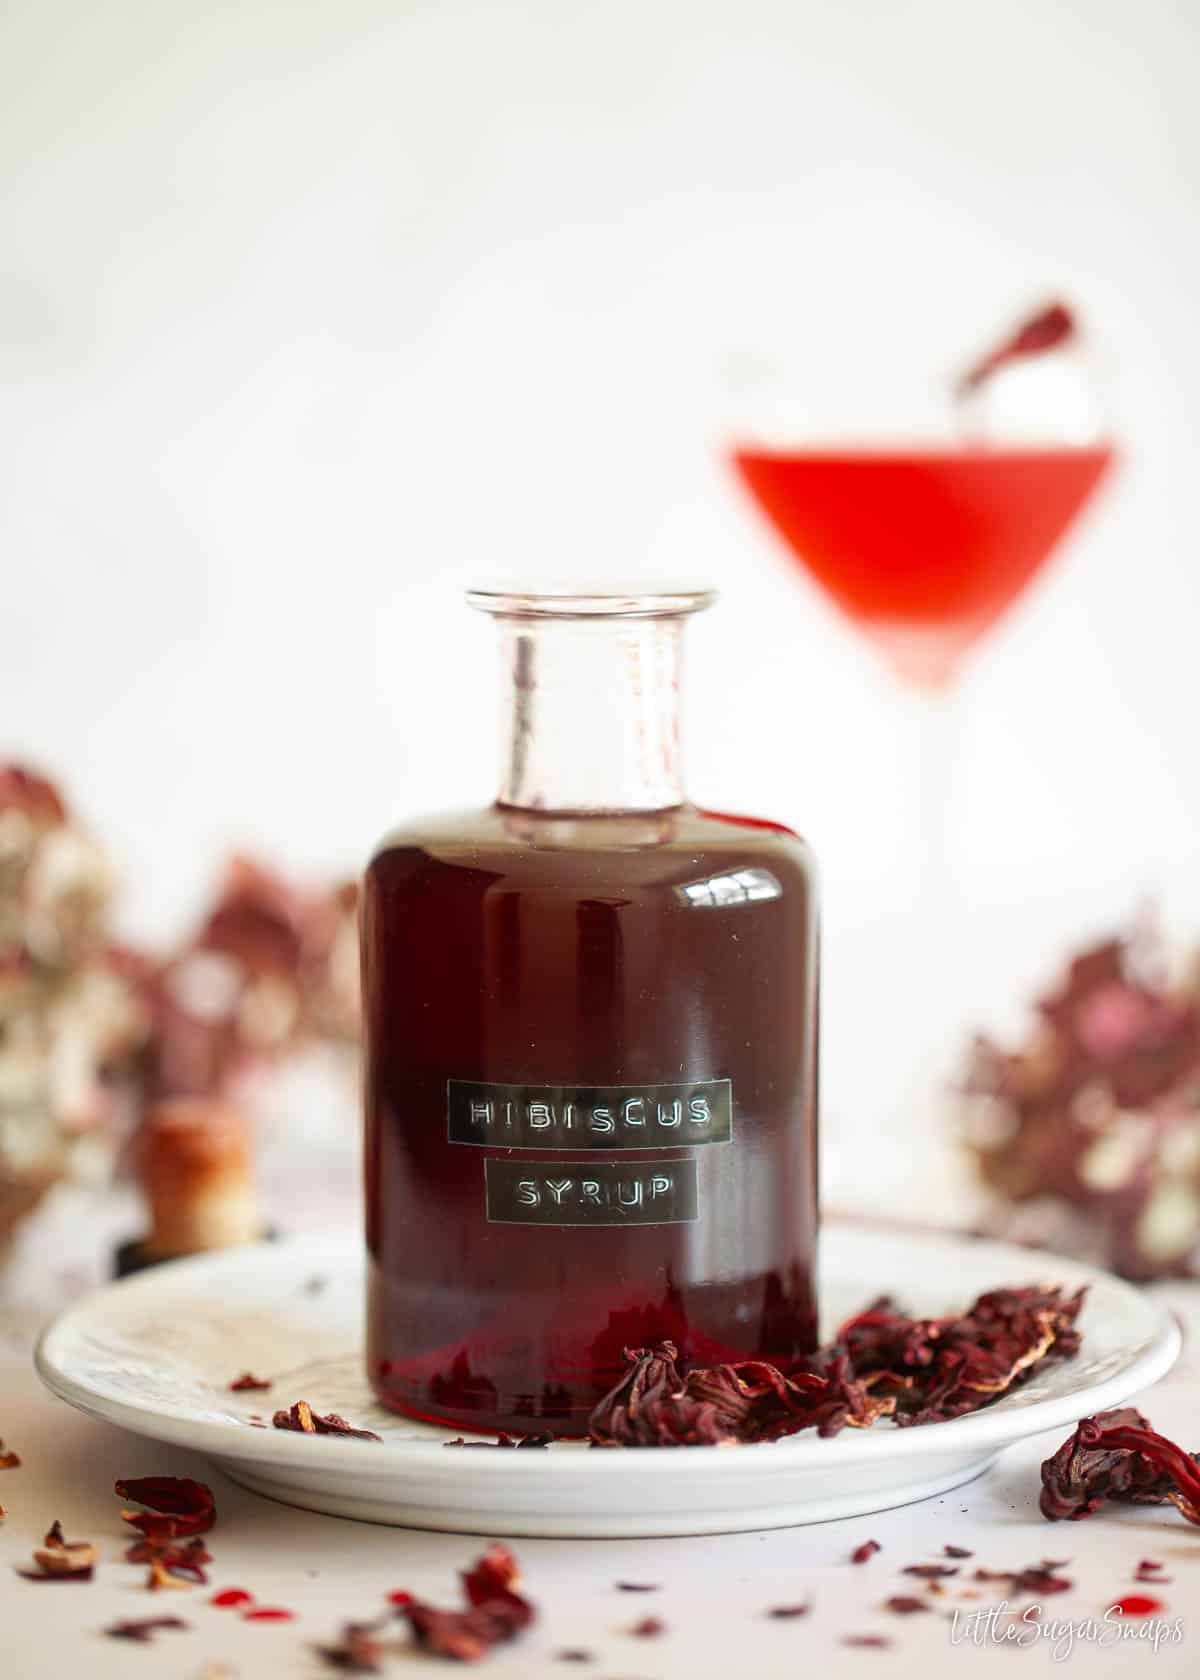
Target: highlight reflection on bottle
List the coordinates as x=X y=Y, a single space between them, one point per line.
x=591 y=1075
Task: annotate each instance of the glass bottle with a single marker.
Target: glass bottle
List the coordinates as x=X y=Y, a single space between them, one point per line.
x=591 y=1063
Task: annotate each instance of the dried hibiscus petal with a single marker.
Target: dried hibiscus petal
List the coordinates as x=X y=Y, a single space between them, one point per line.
x=957 y=1552
x=247 y=1383
x=1148 y=1570
x=931 y=1571
x=648 y=1628
x=144 y=1629
x=301 y=1418
x=1117 y=1456
x=866 y=1641
x=172 y=1560
x=357 y=1650
x=178 y=1506
x=58 y=1559
x=786 y=1612
x=902 y=1605
x=1038 y=1579
x=861 y=1554
x=9 y=1460
x=496 y=1612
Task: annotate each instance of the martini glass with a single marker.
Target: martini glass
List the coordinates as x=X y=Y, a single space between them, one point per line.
x=923 y=547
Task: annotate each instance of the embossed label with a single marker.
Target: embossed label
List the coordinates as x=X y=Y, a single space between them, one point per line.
x=600 y=1193
x=602 y=1117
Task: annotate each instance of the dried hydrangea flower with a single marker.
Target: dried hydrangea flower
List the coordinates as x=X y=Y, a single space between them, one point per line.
x=1089 y=1133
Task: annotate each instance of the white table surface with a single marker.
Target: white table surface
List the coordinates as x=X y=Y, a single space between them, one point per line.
x=713 y=1592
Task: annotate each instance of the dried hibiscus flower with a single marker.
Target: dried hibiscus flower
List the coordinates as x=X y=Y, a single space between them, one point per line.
x=883 y=1364
x=304 y=1421
x=941 y=1368
x=654 y=1405
x=58 y=1559
x=178 y=1506
x=496 y=1612
x=1116 y=1456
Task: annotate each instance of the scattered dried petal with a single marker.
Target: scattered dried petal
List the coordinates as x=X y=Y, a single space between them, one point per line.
x=1148 y=1570
x=786 y=1612
x=638 y=1586
x=861 y=1554
x=143 y=1630
x=58 y=1559
x=178 y=1506
x=9 y=1460
x=161 y=1577
x=648 y=1628
x=905 y=1606
x=496 y=1612
x=247 y=1383
x=957 y=1552
x=1037 y=1579
x=574 y=1656
x=301 y=1418
x=866 y=1641
x=930 y=1571
x=357 y=1650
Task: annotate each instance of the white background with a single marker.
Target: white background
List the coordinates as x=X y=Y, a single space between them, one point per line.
x=310 y=313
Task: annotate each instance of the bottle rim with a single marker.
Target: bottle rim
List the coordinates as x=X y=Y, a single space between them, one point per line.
x=511 y=601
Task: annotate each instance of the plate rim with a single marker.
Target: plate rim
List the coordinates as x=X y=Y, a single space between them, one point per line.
x=986 y=1429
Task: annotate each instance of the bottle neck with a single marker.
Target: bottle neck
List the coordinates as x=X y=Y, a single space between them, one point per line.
x=593 y=718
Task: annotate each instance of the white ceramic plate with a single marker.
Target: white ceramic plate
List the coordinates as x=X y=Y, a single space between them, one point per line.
x=156 y=1353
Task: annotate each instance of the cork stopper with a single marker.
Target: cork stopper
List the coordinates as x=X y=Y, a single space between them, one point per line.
x=196 y=1172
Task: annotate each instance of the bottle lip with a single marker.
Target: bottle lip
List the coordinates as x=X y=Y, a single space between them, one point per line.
x=640 y=601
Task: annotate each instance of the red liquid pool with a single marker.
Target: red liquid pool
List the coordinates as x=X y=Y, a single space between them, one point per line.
x=923 y=549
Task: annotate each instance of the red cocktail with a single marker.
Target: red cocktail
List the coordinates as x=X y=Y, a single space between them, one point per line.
x=923 y=549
